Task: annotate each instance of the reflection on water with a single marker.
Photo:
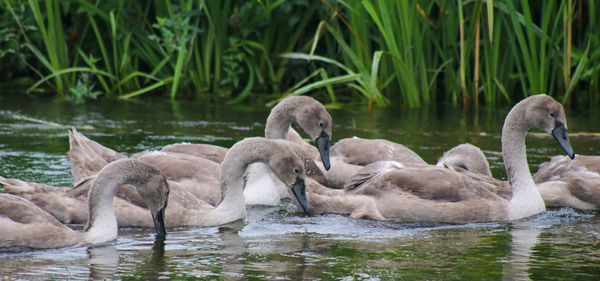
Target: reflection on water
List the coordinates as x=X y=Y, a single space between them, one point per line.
x=523 y=238
x=362 y=249
x=103 y=261
x=273 y=243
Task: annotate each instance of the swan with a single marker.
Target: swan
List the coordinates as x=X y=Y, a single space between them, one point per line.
x=571 y=183
x=577 y=189
x=25 y=224
x=430 y=193
x=185 y=209
x=305 y=111
x=562 y=182
x=274 y=153
x=262 y=187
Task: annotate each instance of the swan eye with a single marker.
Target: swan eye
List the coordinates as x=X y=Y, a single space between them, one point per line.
x=552 y=115
x=296 y=171
x=321 y=124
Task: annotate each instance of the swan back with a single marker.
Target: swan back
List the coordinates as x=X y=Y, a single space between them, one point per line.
x=361 y=151
x=87 y=156
x=26 y=225
x=211 y=152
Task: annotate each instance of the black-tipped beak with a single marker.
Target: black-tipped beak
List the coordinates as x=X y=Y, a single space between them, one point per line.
x=159 y=221
x=299 y=190
x=560 y=135
x=323 y=143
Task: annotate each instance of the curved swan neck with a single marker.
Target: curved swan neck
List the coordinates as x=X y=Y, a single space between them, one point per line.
x=102 y=221
x=233 y=167
x=243 y=154
x=281 y=117
x=526 y=199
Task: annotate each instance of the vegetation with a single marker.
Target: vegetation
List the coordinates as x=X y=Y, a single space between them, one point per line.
x=413 y=52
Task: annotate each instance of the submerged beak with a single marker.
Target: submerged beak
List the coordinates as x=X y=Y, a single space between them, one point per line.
x=159 y=221
x=560 y=135
x=323 y=143
x=299 y=190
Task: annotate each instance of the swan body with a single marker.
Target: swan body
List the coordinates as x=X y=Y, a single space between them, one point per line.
x=462 y=156
x=351 y=154
x=25 y=224
x=87 y=156
x=570 y=182
x=210 y=152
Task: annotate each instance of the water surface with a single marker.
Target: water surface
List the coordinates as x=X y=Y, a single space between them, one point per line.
x=273 y=243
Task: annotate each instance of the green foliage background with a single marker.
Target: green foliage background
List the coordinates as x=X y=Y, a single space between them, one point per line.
x=412 y=52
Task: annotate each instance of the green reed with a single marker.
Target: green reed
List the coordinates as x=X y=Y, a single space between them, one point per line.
x=414 y=52
x=50 y=26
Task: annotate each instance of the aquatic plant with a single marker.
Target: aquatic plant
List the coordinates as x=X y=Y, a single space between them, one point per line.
x=412 y=52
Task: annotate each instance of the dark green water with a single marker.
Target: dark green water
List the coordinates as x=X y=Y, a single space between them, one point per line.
x=273 y=244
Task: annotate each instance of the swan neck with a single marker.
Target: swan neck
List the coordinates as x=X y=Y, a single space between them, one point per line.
x=279 y=121
x=231 y=208
x=526 y=200
x=102 y=221
x=233 y=167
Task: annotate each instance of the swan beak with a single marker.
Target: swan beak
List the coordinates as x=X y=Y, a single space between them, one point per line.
x=323 y=143
x=560 y=135
x=159 y=221
x=299 y=190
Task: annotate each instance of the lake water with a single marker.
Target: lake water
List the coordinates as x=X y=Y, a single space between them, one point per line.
x=560 y=244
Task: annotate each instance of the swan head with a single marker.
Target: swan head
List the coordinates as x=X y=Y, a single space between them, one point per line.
x=156 y=197
x=290 y=170
x=316 y=122
x=545 y=113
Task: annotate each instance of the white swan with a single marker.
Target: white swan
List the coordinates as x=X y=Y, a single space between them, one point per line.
x=24 y=224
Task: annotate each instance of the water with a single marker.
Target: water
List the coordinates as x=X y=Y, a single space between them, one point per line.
x=273 y=244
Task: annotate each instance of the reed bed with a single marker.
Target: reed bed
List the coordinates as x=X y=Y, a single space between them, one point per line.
x=411 y=52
